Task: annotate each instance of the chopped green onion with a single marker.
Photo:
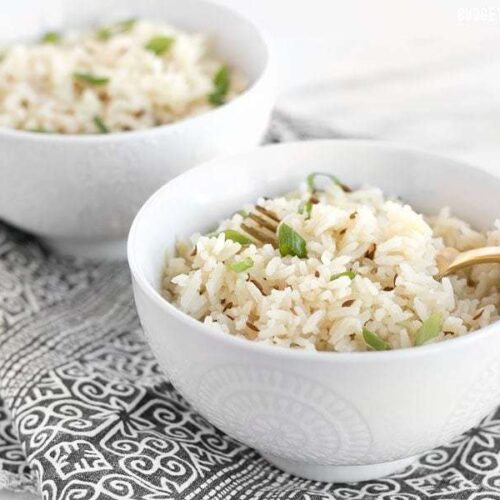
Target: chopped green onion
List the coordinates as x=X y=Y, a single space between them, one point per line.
x=349 y=274
x=233 y=235
x=159 y=44
x=242 y=265
x=221 y=79
x=90 y=78
x=221 y=83
x=311 y=177
x=51 y=37
x=100 y=125
x=308 y=208
x=104 y=33
x=243 y=213
x=124 y=26
x=430 y=328
x=374 y=341
x=290 y=242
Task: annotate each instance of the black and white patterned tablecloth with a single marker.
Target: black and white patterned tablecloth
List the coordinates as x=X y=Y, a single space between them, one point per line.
x=86 y=413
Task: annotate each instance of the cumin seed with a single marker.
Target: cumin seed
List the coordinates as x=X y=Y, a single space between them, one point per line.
x=259 y=286
x=478 y=314
x=370 y=253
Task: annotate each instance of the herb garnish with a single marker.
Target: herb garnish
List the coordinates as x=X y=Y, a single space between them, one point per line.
x=430 y=328
x=159 y=44
x=233 y=235
x=51 y=37
x=374 y=341
x=100 y=125
x=290 y=242
x=311 y=177
x=306 y=207
x=105 y=34
x=221 y=86
x=349 y=274
x=242 y=265
x=124 y=26
x=90 y=78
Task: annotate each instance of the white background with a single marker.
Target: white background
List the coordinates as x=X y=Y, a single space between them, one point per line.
x=415 y=71
x=423 y=72
x=312 y=37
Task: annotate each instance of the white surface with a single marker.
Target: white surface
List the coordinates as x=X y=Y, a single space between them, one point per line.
x=314 y=408
x=86 y=189
x=421 y=72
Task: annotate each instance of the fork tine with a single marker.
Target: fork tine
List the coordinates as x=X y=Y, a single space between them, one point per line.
x=268 y=213
x=271 y=226
x=258 y=234
x=266 y=223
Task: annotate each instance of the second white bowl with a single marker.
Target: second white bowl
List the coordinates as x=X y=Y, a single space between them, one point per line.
x=80 y=193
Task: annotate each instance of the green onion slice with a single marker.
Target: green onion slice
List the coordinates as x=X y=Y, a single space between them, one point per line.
x=311 y=177
x=290 y=242
x=124 y=26
x=374 y=341
x=430 y=328
x=306 y=207
x=90 y=78
x=158 y=45
x=100 y=125
x=51 y=37
x=233 y=235
x=104 y=34
x=242 y=265
x=221 y=83
x=349 y=274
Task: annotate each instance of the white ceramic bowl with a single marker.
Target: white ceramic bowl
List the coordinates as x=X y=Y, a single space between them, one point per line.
x=81 y=193
x=324 y=416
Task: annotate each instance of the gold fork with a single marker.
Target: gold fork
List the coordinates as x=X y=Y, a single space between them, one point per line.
x=450 y=260
x=264 y=225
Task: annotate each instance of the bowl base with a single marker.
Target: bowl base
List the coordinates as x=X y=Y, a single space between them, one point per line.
x=339 y=473
x=103 y=250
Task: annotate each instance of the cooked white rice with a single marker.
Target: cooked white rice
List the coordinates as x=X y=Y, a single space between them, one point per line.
x=39 y=91
x=293 y=302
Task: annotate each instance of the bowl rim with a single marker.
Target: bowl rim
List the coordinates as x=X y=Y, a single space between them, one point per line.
x=154 y=295
x=267 y=73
